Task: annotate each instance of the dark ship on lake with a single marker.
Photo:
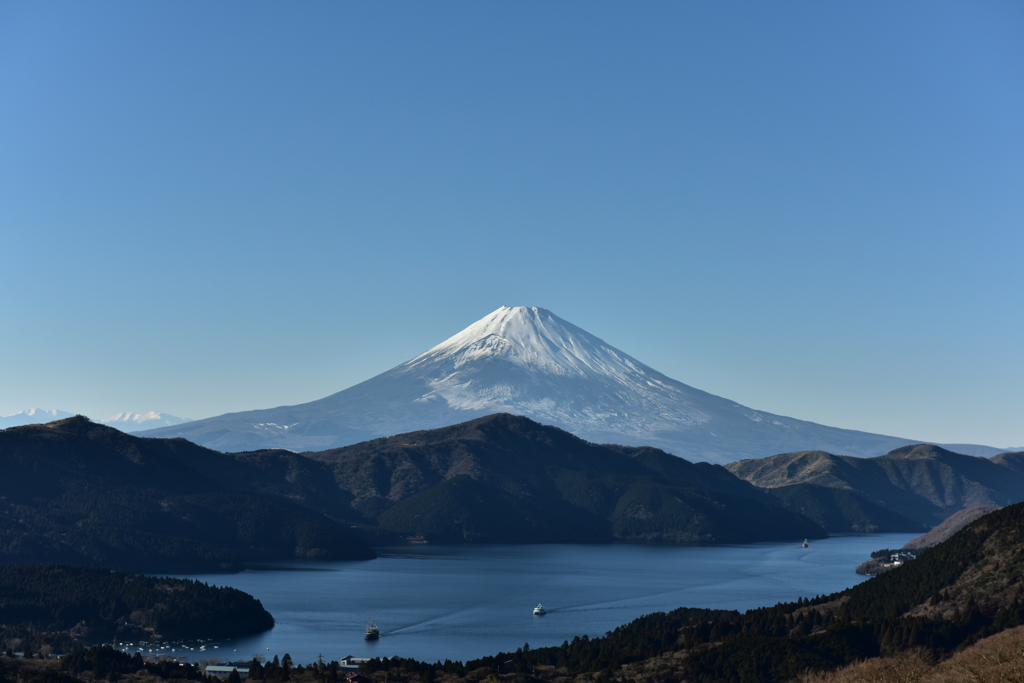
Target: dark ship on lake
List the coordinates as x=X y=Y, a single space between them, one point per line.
x=372 y=632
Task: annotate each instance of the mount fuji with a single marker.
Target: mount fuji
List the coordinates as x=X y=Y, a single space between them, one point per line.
x=530 y=362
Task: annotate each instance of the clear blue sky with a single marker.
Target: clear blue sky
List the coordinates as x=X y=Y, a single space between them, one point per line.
x=814 y=209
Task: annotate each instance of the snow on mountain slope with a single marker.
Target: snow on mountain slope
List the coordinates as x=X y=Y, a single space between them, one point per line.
x=530 y=362
x=526 y=360
x=131 y=422
x=126 y=422
x=32 y=416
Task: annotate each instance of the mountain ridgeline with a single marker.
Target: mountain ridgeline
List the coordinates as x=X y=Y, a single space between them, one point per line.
x=923 y=482
x=78 y=492
x=507 y=479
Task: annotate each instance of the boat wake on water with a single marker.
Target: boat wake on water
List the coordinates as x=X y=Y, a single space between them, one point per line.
x=614 y=604
x=416 y=626
x=581 y=608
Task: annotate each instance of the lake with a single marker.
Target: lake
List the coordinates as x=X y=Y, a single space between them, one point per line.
x=462 y=602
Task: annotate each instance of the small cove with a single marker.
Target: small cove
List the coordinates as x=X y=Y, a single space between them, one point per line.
x=462 y=602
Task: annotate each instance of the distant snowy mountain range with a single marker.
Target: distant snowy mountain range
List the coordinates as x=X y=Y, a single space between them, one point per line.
x=32 y=416
x=132 y=422
x=126 y=422
x=530 y=362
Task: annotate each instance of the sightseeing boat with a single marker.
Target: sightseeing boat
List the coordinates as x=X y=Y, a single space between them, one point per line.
x=372 y=632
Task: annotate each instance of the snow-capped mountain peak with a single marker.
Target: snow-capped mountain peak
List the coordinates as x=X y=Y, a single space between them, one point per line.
x=529 y=361
x=126 y=422
x=32 y=416
x=137 y=418
x=533 y=338
x=39 y=413
x=130 y=422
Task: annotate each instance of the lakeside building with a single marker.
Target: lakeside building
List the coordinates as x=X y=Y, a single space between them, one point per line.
x=352 y=663
x=223 y=671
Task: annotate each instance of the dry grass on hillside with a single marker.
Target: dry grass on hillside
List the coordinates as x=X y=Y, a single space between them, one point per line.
x=997 y=659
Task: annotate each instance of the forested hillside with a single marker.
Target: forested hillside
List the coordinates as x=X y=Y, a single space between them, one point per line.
x=924 y=483
x=63 y=604
x=841 y=510
x=507 y=479
x=169 y=505
x=77 y=492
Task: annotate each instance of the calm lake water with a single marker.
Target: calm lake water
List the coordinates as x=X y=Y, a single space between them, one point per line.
x=456 y=602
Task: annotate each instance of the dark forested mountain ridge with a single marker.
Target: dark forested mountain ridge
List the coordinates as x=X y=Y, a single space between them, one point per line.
x=841 y=510
x=74 y=491
x=504 y=478
x=170 y=505
x=923 y=482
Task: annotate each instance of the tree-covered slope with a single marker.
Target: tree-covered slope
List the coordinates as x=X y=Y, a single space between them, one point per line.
x=78 y=492
x=841 y=510
x=170 y=505
x=924 y=483
x=504 y=478
x=97 y=604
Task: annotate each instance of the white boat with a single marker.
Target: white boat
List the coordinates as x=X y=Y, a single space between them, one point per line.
x=805 y=543
x=539 y=610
